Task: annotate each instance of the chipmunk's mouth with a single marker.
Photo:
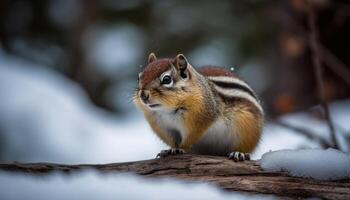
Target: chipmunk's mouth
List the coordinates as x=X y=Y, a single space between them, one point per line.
x=154 y=105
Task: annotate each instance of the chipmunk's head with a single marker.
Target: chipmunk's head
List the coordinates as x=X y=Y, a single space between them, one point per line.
x=164 y=83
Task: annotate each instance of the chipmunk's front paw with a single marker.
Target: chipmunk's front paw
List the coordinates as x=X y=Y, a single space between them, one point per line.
x=238 y=156
x=169 y=152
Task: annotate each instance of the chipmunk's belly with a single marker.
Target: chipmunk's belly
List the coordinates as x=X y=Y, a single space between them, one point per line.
x=220 y=139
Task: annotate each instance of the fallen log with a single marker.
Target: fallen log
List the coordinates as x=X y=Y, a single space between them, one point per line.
x=244 y=176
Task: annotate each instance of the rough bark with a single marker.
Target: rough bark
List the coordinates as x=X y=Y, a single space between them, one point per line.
x=232 y=176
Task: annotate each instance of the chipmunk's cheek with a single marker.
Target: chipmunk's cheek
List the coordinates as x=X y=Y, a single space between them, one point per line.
x=169 y=103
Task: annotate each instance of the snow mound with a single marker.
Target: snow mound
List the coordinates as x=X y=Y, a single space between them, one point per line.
x=329 y=164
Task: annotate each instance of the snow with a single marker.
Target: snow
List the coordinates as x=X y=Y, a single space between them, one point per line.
x=330 y=164
x=45 y=117
x=92 y=185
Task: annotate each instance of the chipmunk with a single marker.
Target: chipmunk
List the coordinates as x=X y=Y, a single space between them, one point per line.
x=207 y=110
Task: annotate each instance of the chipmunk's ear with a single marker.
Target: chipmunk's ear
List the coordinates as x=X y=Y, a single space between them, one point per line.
x=152 y=57
x=180 y=62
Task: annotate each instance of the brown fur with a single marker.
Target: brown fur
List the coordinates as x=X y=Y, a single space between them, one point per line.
x=247 y=119
x=197 y=119
x=154 y=69
x=215 y=71
x=249 y=128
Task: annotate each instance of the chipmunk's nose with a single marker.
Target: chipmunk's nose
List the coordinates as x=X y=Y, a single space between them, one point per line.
x=144 y=96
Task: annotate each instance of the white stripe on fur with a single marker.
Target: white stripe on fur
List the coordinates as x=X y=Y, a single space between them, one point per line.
x=240 y=94
x=228 y=79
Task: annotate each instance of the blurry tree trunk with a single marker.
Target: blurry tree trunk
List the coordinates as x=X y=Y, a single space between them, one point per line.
x=241 y=176
x=318 y=72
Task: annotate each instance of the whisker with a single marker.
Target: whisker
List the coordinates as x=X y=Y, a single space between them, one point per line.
x=132 y=98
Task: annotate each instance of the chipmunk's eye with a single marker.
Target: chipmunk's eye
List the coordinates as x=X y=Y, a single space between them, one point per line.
x=166 y=80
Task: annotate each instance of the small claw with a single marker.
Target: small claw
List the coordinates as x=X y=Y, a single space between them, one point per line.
x=161 y=154
x=177 y=151
x=165 y=153
x=239 y=156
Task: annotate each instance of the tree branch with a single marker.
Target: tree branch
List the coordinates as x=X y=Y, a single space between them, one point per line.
x=241 y=176
x=331 y=60
x=318 y=71
x=307 y=133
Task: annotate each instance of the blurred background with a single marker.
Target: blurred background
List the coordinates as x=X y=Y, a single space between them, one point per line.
x=68 y=69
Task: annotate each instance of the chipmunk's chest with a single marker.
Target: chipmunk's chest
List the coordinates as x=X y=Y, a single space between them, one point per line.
x=171 y=123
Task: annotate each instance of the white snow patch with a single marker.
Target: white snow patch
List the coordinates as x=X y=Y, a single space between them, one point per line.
x=92 y=185
x=329 y=164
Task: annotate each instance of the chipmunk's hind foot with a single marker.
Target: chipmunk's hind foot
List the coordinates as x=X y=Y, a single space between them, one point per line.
x=170 y=152
x=238 y=156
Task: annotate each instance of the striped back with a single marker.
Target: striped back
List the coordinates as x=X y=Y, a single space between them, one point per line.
x=229 y=86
